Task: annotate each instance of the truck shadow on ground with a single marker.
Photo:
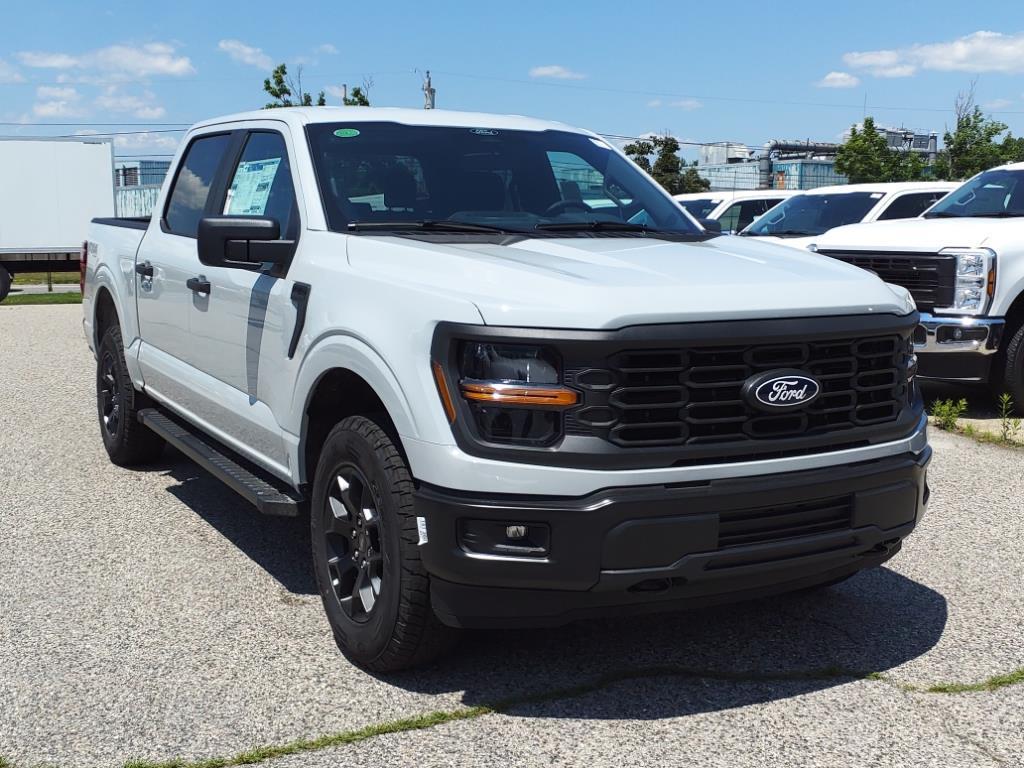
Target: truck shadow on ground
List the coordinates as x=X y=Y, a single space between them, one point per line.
x=646 y=667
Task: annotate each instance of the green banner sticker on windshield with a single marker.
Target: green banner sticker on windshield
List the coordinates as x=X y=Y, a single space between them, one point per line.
x=346 y=133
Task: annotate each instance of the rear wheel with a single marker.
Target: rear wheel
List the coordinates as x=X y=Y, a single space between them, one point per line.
x=128 y=442
x=365 y=552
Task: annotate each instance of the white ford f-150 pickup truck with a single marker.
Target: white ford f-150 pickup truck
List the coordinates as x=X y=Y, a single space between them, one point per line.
x=963 y=261
x=500 y=405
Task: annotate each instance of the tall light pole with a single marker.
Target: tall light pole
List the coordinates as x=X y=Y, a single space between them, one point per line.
x=429 y=92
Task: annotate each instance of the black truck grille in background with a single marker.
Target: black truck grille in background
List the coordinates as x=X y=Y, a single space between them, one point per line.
x=930 y=277
x=692 y=396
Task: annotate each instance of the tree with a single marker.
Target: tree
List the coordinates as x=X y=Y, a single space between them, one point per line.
x=972 y=146
x=668 y=169
x=282 y=88
x=358 y=98
x=867 y=157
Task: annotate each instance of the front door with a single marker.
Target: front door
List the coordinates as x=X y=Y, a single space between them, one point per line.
x=243 y=326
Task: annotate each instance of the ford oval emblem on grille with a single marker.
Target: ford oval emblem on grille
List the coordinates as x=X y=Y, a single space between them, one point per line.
x=781 y=389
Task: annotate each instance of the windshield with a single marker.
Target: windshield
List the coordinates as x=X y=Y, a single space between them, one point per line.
x=699 y=209
x=374 y=176
x=814 y=214
x=995 y=193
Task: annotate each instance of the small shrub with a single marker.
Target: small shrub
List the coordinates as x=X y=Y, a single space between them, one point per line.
x=1009 y=425
x=947 y=413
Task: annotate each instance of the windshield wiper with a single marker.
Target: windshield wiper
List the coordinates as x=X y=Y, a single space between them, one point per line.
x=996 y=215
x=785 y=233
x=607 y=226
x=943 y=215
x=430 y=225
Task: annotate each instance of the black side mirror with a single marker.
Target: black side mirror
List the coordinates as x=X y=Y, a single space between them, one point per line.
x=711 y=225
x=242 y=242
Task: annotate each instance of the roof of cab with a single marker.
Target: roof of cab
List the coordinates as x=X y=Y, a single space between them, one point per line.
x=302 y=116
x=884 y=187
x=735 y=194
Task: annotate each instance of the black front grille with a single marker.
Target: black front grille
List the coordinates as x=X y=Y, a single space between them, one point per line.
x=692 y=396
x=930 y=277
x=777 y=523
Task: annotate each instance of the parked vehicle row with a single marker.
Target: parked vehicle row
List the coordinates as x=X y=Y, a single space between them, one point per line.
x=801 y=218
x=501 y=404
x=963 y=261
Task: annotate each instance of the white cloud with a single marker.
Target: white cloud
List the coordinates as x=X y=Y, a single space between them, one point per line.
x=326 y=48
x=977 y=52
x=246 y=54
x=687 y=104
x=997 y=104
x=9 y=74
x=655 y=103
x=147 y=142
x=113 y=99
x=557 y=72
x=118 y=60
x=335 y=91
x=57 y=102
x=838 y=80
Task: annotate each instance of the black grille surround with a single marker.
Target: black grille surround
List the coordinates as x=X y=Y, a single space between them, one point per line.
x=930 y=277
x=669 y=395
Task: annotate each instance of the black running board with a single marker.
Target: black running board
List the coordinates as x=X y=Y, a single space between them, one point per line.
x=267 y=498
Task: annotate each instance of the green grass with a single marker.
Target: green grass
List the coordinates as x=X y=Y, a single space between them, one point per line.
x=39 y=278
x=993 y=683
x=432 y=719
x=22 y=299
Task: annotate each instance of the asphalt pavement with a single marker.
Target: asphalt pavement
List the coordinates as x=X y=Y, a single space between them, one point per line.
x=152 y=615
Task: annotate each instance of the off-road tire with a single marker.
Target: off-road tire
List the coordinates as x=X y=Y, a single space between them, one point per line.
x=400 y=630
x=128 y=442
x=1010 y=374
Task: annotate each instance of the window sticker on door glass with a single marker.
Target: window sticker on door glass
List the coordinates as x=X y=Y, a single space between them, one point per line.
x=250 y=189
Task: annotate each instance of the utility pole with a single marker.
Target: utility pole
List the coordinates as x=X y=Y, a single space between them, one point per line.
x=428 y=93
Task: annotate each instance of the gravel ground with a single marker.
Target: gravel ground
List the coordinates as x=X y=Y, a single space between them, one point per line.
x=151 y=614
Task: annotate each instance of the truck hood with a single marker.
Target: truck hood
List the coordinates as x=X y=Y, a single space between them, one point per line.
x=926 y=235
x=611 y=282
x=789 y=242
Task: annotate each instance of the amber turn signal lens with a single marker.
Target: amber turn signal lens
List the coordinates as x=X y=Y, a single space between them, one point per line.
x=518 y=394
x=442 y=390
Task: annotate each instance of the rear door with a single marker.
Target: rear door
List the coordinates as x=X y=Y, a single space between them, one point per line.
x=166 y=259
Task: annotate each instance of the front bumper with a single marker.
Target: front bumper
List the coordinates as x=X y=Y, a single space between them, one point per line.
x=649 y=548
x=957 y=348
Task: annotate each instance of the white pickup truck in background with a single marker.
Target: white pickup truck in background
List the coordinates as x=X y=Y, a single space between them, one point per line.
x=963 y=261
x=499 y=404
x=733 y=210
x=799 y=219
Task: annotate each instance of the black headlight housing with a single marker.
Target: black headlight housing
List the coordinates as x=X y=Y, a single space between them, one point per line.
x=503 y=392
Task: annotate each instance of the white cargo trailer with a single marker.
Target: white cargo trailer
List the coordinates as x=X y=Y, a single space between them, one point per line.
x=50 y=189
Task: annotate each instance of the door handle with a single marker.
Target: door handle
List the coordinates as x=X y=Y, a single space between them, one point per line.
x=198 y=284
x=144 y=270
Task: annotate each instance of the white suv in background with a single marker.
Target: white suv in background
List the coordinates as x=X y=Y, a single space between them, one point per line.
x=734 y=210
x=802 y=218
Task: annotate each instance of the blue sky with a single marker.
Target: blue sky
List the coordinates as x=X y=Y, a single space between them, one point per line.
x=739 y=71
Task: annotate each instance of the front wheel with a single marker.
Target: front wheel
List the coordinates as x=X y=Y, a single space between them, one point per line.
x=365 y=552
x=5 y=283
x=1011 y=371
